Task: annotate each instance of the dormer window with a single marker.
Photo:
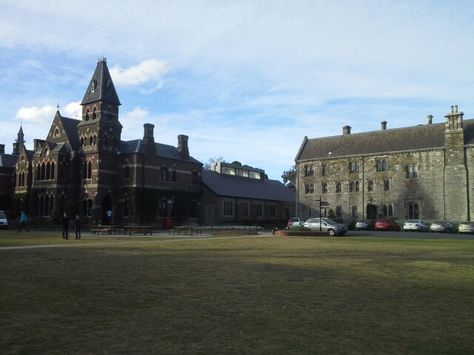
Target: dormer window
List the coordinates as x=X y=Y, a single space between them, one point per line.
x=93 y=85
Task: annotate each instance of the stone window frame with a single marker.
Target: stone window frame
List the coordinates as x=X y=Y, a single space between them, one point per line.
x=309 y=170
x=353 y=167
x=309 y=188
x=370 y=185
x=324 y=187
x=354 y=186
x=386 y=184
x=381 y=165
x=411 y=170
x=338 y=186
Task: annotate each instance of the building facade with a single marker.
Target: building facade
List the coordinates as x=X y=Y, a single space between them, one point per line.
x=239 y=194
x=425 y=171
x=83 y=166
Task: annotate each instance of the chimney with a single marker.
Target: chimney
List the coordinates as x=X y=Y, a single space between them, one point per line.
x=430 y=119
x=383 y=125
x=148 y=132
x=183 y=149
x=2 y=148
x=346 y=130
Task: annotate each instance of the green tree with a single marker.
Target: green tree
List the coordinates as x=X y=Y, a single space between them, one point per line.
x=289 y=177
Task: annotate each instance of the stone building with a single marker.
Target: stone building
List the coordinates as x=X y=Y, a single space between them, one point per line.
x=83 y=166
x=7 y=171
x=240 y=194
x=425 y=171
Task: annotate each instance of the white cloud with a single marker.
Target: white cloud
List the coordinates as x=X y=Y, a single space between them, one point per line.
x=148 y=71
x=72 y=110
x=36 y=114
x=133 y=122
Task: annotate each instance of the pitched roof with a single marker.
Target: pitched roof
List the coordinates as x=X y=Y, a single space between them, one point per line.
x=162 y=150
x=70 y=126
x=101 y=87
x=8 y=160
x=384 y=141
x=236 y=186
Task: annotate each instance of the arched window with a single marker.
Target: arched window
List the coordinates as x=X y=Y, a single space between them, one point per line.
x=164 y=174
x=43 y=168
x=52 y=171
x=38 y=172
x=94 y=139
x=86 y=117
x=56 y=133
x=89 y=169
x=48 y=171
x=90 y=140
x=94 y=113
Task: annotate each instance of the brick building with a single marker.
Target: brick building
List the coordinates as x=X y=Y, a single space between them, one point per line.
x=83 y=166
x=425 y=171
x=240 y=194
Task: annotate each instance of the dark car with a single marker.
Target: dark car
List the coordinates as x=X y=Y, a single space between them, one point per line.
x=386 y=225
x=365 y=224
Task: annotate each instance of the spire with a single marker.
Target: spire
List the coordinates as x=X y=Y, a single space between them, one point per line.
x=101 y=87
x=20 y=136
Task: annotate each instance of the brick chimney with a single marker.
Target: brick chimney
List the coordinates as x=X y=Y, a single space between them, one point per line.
x=346 y=130
x=183 y=149
x=430 y=119
x=148 y=132
x=383 y=125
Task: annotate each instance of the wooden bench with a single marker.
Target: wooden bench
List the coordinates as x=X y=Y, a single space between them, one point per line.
x=101 y=230
x=138 y=229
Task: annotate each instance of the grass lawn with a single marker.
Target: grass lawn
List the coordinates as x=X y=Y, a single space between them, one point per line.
x=246 y=295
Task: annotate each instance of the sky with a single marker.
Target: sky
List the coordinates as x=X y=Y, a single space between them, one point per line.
x=245 y=80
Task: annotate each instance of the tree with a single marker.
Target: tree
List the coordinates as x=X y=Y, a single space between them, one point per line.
x=289 y=177
x=212 y=160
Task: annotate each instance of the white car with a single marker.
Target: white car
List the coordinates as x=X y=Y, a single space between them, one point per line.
x=3 y=220
x=327 y=225
x=415 y=225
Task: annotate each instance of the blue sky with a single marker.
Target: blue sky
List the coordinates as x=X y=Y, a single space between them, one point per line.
x=246 y=80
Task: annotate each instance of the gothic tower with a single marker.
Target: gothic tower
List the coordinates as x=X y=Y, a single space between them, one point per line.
x=99 y=133
x=455 y=172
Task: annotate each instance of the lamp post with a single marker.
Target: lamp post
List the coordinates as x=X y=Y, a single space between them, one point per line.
x=321 y=204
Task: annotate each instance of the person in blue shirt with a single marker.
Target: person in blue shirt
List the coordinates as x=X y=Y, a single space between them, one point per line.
x=23 y=222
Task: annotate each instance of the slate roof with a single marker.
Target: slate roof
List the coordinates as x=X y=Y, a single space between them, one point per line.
x=8 y=160
x=70 y=126
x=428 y=136
x=162 y=150
x=236 y=186
x=101 y=87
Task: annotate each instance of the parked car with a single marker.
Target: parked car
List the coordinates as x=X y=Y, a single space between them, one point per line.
x=466 y=227
x=3 y=220
x=365 y=224
x=415 y=225
x=295 y=222
x=442 y=226
x=326 y=225
x=386 y=225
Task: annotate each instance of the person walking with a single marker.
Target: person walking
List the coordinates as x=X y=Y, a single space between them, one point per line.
x=23 y=222
x=77 y=226
x=65 y=226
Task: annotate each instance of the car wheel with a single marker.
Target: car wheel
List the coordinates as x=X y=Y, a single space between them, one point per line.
x=332 y=233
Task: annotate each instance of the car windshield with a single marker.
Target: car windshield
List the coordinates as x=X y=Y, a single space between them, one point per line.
x=329 y=221
x=2 y=216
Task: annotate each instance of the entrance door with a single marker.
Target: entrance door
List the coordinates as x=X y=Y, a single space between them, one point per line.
x=371 y=211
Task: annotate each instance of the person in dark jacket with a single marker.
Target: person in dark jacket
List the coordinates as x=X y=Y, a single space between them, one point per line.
x=65 y=226
x=77 y=226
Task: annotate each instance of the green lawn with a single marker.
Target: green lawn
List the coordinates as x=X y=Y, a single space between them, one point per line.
x=246 y=295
